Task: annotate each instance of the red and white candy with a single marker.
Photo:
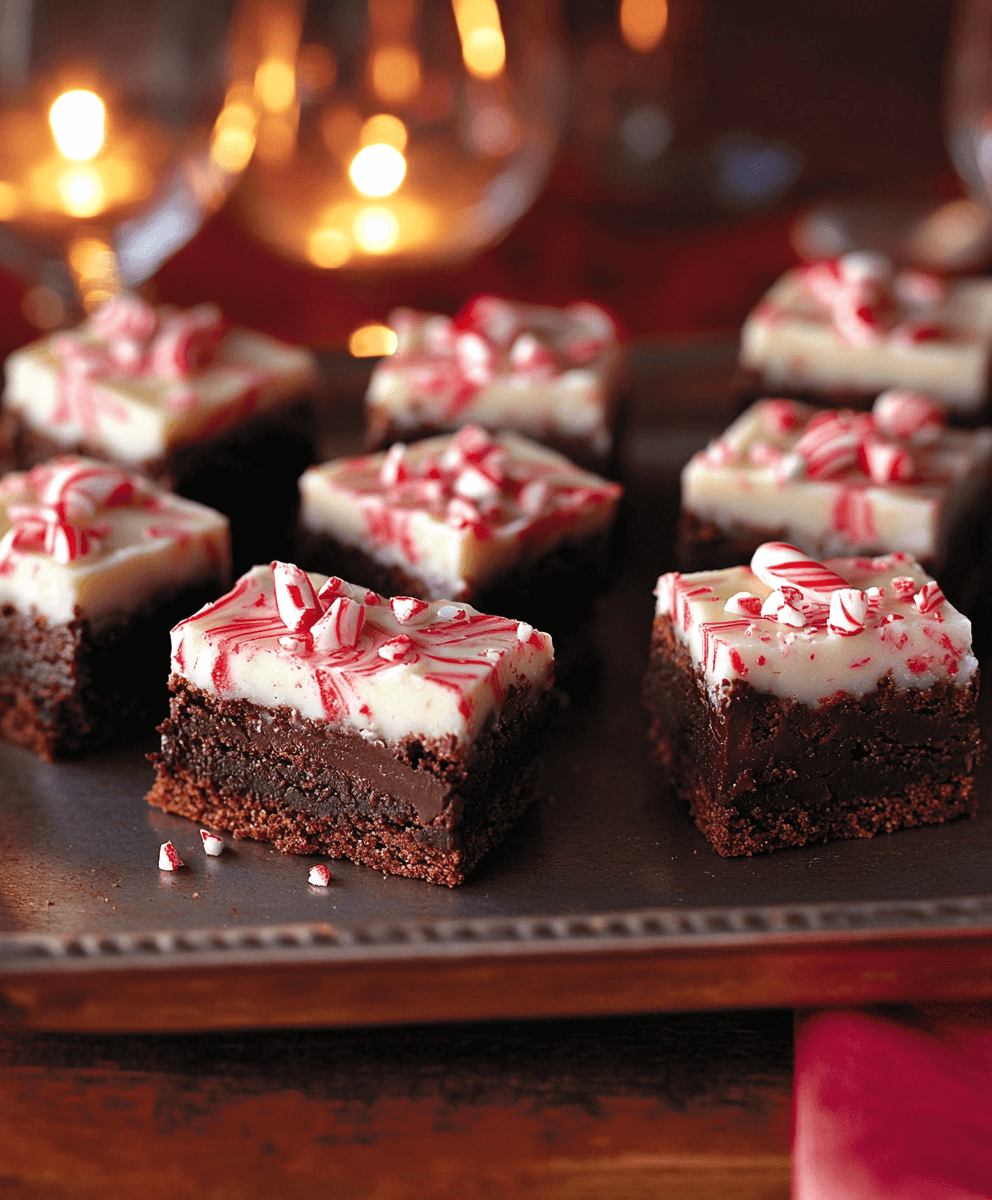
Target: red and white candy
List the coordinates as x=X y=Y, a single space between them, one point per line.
x=779 y=608
x=743 y=604
x=831 y=442
x=777 y=564
x=929 y=598
x=340 y=627
x=319 y=876
x=848 y=612
x=168 y=858
x=885 y=462
x=296 y=599
x=212 y=844
x=908 y=417
x=407 y=608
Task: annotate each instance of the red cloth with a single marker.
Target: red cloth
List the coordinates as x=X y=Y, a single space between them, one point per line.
x=894 y=1106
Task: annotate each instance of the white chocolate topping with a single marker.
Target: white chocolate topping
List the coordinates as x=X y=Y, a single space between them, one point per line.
x=457 y=511
x=840 y=482
x=503 y=365
x=888 y=619
x=82 y=538
x=133 y=382
x=828 y=327
x=387 y=670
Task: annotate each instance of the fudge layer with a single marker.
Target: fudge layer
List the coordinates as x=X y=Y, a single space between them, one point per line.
x=457 y=515
x=552 y=374
x=849 y=328
x=322 y=717
x=795 y=701
x=96 y=564
x=839 y=482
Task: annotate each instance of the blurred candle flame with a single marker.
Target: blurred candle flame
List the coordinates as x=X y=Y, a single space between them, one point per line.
x=376 y=230
x=481 y=34
x=643 y=23
x=386 y=128
x=395 y=73
x=233 y=141
x=372 y=341
x=377 y=170
x=78 y=120
x=81 y=191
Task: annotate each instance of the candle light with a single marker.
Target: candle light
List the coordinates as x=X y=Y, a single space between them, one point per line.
x=417 y=144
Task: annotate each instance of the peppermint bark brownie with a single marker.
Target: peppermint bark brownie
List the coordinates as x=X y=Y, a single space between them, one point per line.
x=96 y=565
x=322 y=717
x=840 y=482
x=840 y=331
x=551 y=374
x=220 y=415
x=499 y=520
x=796 y=701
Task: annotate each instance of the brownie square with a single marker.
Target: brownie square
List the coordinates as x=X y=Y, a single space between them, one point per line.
x=552 y=374
x=499 y=521
x=839 y=331
x=319 y=716
x=225 y=416
x=796 y=702
x=96 y=565
x=836 y=482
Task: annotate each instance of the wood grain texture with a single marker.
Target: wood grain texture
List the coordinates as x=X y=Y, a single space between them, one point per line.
x=682 y=1106
x=852 y=970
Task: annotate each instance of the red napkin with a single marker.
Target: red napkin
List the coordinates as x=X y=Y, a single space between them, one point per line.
x=894 y=1105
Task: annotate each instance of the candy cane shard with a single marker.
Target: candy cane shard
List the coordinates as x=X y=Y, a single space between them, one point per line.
x=778 y=563
x=778 y=608
x=848 y=612
x=340 y=627
x=319 y=876
x=743 y=604
x=212 y=844
x=929 y=598
x=406 y=608
x=908 y=417
x=168 y=858
x=296 y=599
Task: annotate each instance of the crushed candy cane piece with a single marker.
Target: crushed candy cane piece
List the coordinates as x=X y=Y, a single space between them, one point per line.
x=743 y=604
x=212 y=844
x=904 y=587
x=396 y=648
x=884 y=462
x=908 y=417
x=168 y=859
x=778 y=608
x=394 y=467
x=340 y=627
x=296 y=599
x=848 y=612
x=319 y=876
x=405 y=608
x=929 y=597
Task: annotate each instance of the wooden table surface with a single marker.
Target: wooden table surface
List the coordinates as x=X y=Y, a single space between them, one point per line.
x=681 y=1106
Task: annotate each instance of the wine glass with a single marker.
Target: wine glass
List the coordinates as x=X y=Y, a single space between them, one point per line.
x=396 y=132
x=119 y=134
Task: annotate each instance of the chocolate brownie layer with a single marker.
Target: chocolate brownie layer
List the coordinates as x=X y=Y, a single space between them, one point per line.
x=248 y=472
x=65 y=690
x=272 y=775
x=760 y=772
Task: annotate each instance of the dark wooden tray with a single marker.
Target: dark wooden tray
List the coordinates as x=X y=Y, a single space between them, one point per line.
x=604 y=899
